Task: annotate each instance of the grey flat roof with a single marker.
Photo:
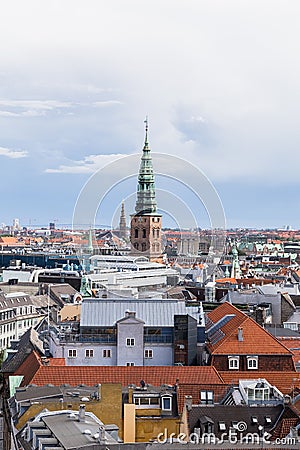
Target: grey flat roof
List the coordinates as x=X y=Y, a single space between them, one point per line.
x=35 y=392
x=155 y=313
x=69 y=432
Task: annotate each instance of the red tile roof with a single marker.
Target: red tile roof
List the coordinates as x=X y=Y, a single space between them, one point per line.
x=8 y=240
x=226 y=280
x=256 y=340
x=57 y=362
x=292 y=344
x=284 y=381
x=33 y=363
x=91 y=375
x=29 y=367
x=194 y=390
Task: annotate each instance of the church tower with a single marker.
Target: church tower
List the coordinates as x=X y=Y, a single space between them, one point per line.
x=122 y=224
x=236 y=270
x=146 y=223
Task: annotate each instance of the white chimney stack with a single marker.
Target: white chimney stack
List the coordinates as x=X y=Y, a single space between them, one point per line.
x=240 y=334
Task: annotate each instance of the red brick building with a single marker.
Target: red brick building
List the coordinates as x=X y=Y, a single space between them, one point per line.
x=236 y=343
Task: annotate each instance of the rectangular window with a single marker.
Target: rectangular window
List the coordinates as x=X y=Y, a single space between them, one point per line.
x=166 y=403
x=206 y=397
x=89 y=353
x=222 y=426
x=129 y=364
x=148 y=353
x=146 y=401
x=106 y=353
x=130 y=342
x=72 y=353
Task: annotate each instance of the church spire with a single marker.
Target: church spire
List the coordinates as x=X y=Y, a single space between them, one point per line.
x=122 y=224
x=146 y=202
x=90 y=247
x=146 y=145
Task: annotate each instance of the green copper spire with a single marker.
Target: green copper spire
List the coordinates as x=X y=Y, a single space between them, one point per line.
x=146 y=202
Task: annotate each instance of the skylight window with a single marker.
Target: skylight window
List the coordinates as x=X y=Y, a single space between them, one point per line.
x=222 y=426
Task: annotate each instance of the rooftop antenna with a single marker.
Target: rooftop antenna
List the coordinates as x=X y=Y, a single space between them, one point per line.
x=48 y=307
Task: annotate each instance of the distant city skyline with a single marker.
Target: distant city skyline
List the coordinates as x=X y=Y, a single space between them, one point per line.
x=219 y=81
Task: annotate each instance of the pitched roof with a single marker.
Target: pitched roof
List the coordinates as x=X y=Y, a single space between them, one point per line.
x=292 y=343
x=288 y=419
x=227 y=414
x=91 y=375
x=256 y=340
x=284 y=381
x=194 y=391
x=29 y=341
x=8 y=240
x=33 y=363
x=29 y=367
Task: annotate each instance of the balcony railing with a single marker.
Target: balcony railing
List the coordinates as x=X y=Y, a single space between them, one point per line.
x=157 y=339
x=100 y=338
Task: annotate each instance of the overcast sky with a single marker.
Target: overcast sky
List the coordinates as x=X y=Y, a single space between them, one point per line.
x=219 y=80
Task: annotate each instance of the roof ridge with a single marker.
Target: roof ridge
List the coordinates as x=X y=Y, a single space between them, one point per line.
x=271 y=335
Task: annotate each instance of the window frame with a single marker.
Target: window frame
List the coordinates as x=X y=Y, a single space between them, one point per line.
x=206 y=397
x=72 y=353
x=106 y=353
x=163 y=399
x=250 y=361
x=89 y=353
x=233 y=359
x=131 y=341
x=148 y=353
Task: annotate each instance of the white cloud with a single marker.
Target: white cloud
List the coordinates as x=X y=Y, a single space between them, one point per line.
x=28 y=113
x=107 y=103
x=37 y=108
x=88 y=165
x=36 y=104
x=13 y=154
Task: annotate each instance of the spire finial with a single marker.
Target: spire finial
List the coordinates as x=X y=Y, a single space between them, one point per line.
x=146 y=130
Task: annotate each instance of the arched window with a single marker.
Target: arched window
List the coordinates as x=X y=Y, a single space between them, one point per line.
x=233 y=362
x=136 y=233
x=252 y=362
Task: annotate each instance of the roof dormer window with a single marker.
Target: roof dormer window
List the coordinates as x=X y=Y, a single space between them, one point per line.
x=252 y=362
x=233 y=362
